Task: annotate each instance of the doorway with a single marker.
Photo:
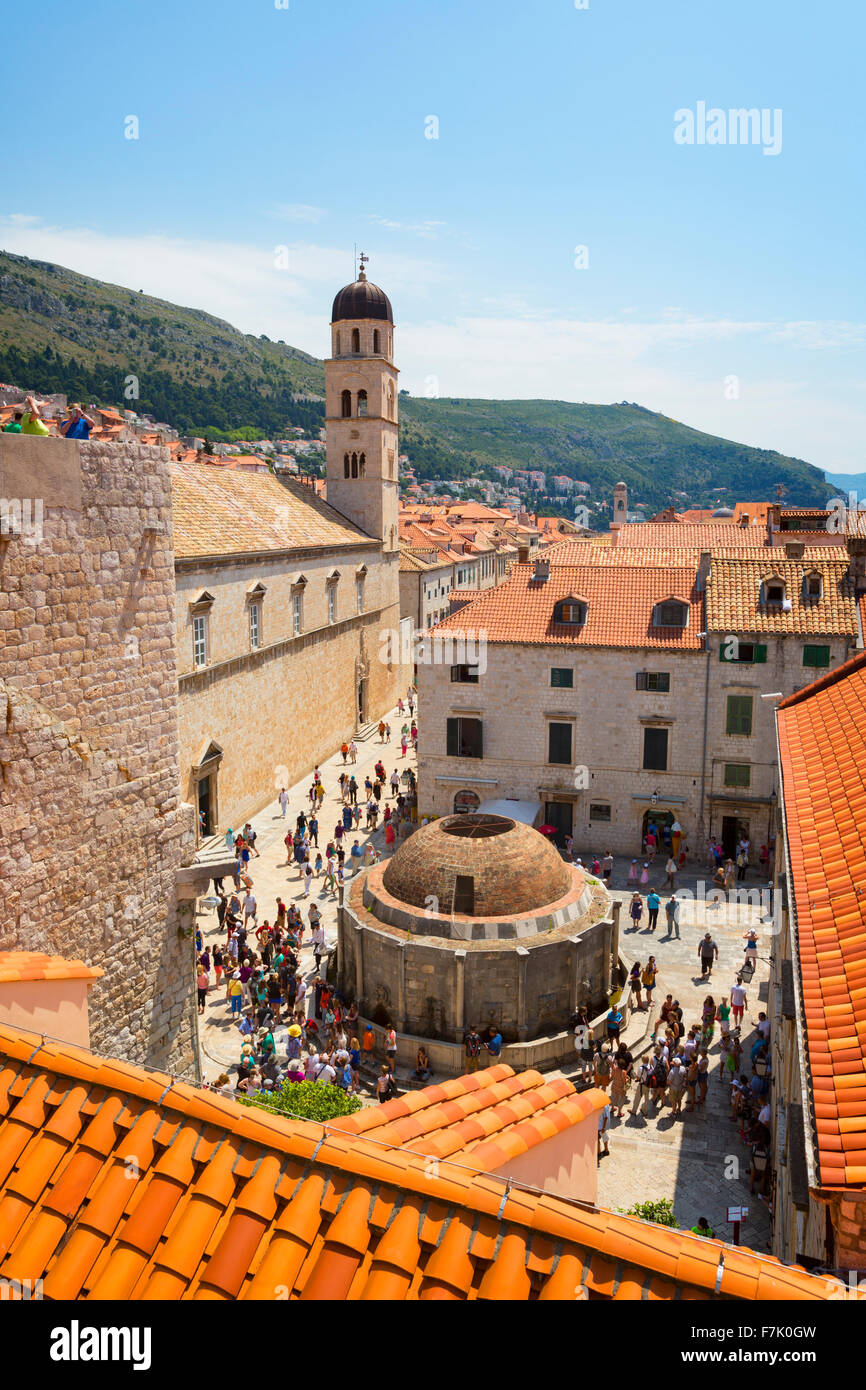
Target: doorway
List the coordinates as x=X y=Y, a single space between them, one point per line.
x=662 y=820
x=561 y=815
x=205 y=809
x=733 y=830
x=362 y=701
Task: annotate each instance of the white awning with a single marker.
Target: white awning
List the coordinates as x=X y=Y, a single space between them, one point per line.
x=527 y=812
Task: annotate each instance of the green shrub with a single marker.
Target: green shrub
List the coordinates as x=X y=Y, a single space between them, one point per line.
x=660 y=1211
x=305 y=1100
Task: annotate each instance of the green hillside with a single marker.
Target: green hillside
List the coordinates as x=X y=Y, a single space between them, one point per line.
x=60 y=331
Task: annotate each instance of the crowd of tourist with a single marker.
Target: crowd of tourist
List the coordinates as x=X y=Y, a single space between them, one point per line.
x=259 y=964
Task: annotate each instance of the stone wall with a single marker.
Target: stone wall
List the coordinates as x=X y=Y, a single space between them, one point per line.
x=430 y=989
x=93 y=828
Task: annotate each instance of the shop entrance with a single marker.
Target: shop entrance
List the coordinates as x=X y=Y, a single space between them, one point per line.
x=560 y=814
x=734 y=829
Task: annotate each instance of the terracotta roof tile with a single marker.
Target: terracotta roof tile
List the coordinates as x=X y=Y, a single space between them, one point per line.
x=16 y=966
x=620 y=603
x=822 y=743
x=219 y=512
x=734 y=593
x=224 y=1202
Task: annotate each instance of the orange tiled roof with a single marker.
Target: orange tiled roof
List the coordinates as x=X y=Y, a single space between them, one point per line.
x=228 y=1202
x=620 y=607
x=484 y=1120
x=734 y=590
x=674 y=535
x=16 y=966
x=822 y=744
x=220 y=512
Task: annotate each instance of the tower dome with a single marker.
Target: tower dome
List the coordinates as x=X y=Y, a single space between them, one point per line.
x=512 y=868
x=362 y=300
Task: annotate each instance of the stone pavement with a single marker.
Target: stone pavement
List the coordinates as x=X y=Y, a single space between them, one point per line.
x=272 y=877
x=695 y=1158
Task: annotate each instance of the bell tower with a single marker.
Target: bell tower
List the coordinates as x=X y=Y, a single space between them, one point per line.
x=361 y=410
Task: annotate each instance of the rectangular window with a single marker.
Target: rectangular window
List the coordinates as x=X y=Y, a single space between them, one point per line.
x=254 y=626
x=464 y=675
x=655 y=750
x=739 y=715
x=332 y=603
x=816 y=656
x=562 y=677
x=464 y=895
x=296 y=613
x=359 y=593
x=653 y=680
x=199 y=640
x=559 y=744
x=746 y=653
x=598 y=812
x=738 y=775
x=463 y=738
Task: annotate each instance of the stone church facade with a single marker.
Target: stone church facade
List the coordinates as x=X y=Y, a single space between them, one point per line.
x=286 y=603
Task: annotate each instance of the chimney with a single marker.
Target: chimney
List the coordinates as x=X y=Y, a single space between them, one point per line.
x=794 y=550
x=522 y=554
x=704 y=568
x=541 y=570
x=744 y=519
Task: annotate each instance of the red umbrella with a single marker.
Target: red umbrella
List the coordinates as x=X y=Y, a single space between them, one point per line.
x=547 y=830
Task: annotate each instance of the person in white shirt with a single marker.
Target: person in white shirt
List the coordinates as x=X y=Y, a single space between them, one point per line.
x=327 y=1075
x=738 y=1000
x=250 y=906
x=308 y=878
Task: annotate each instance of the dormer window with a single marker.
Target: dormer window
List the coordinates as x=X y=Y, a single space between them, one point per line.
x=571 y=611
x=813 y=586
x=671 y=613
x=774 y=592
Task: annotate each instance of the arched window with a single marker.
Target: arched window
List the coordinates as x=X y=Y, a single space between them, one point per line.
x=345 y=465
x=338 y=345
x=376 y=347
x=362 y=465
x=347 y=404
x=354 y=465
x=390 y=400
x=356 y=340
x=362 y=402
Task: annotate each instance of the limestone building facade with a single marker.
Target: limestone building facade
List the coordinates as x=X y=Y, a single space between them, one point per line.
x=94 y=830
x=603 y=716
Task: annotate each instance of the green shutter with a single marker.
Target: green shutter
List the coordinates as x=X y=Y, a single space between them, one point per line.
x=816 y=656
x=739 y=715
x=761 y=652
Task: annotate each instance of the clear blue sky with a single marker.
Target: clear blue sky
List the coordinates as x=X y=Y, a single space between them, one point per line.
x=305 y=127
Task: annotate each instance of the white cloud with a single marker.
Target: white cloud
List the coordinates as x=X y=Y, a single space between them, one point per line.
x=297 y=212
x=427 y=229
x=793 y=395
